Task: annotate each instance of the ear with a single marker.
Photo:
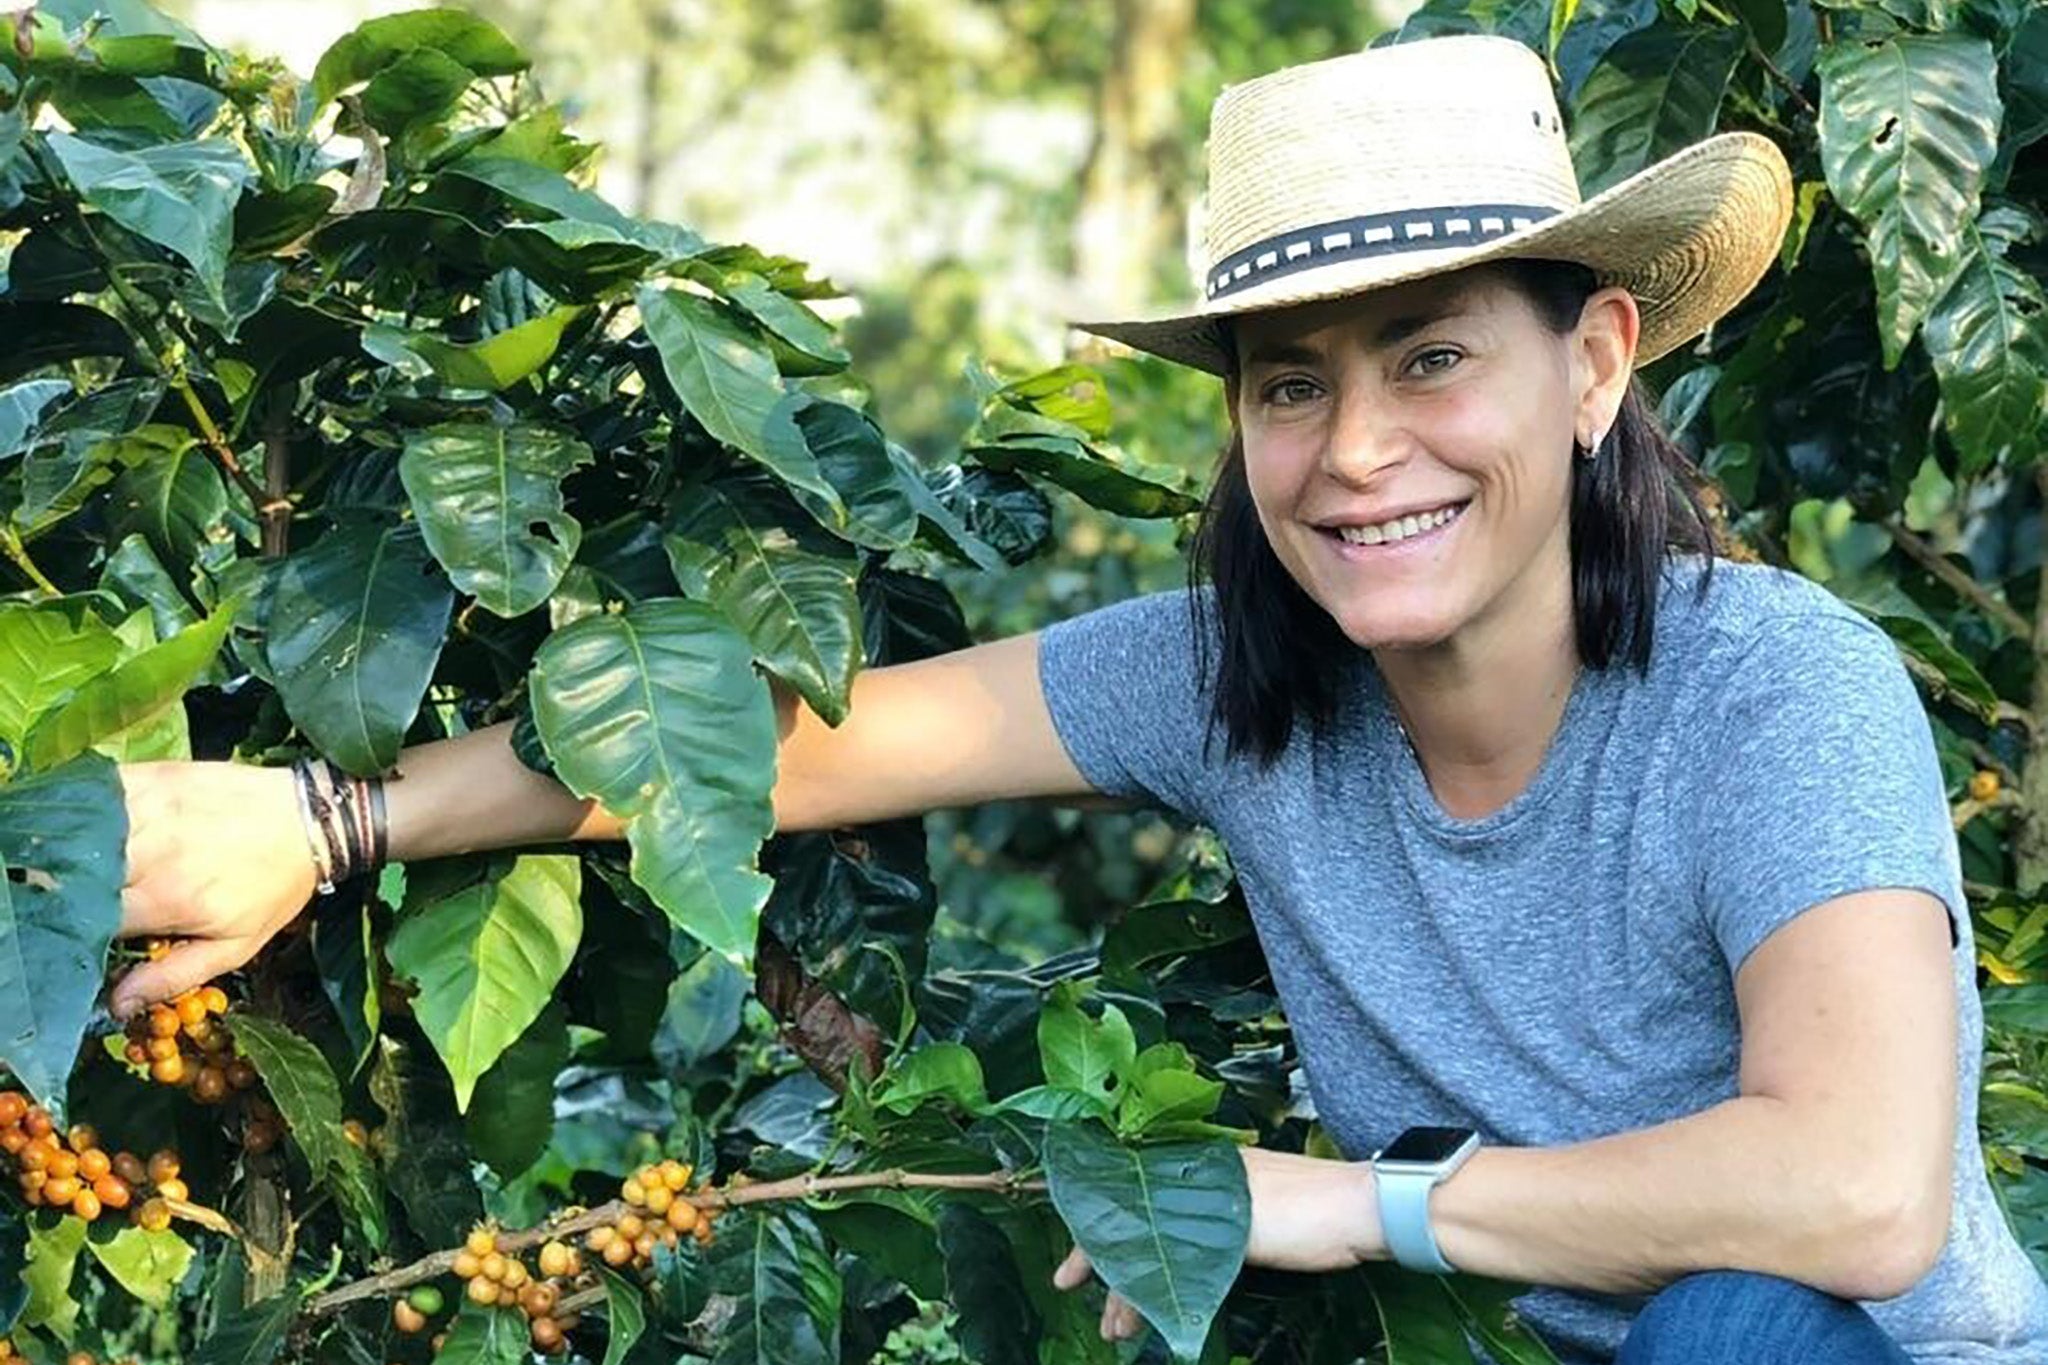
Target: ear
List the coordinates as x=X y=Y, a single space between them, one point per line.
x=1604 y=358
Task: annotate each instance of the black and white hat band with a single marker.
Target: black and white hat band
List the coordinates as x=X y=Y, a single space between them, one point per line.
x=1375 y=234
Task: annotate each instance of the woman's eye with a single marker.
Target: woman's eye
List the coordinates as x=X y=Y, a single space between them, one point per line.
x=1434 y=361
x=1288 y=392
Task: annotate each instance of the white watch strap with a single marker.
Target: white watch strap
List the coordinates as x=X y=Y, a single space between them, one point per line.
x=1404 y=1219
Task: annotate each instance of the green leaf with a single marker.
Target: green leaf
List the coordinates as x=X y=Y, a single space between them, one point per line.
x=1163 y=1226
x=727 y=379
x=1988 y=339
x=489 y=502
x=1082 y=1054
x=63 y=838
x=854 y=457
x=625 y=1317
x=998 y=1325
x=808 y=343
x=426 y=1157
x=343 y=950
x=180 y=195
x=1164 y=1092
x=148 y=1265
x=137 y=691
x=46 y=654
x=790 y=1292
x=250 y=1336
x=657 y=714
x=512 y=1113
x=300 y=1083
x=455 y=34
x=52 y=1260
x=1486 y=1309
x=1908 y=126
x=1655 y=92
x=21 y=408
x=491 y=365
x=1124 y=487
x=1417 y=1319
x=353 y=631
x=487 y=959
x=13 y=1259
x=944 y=1070
x=796 y=607
x=1927 y=647
x=703 y=1012
x=176 y=502
x=2021 y=1008
x=485 y=1336
x=419 y=87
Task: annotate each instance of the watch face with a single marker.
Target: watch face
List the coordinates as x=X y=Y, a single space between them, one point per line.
x=1426 y=1146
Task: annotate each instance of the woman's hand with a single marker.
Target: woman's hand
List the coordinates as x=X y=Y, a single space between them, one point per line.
x=1308 y=1214
x=217 y=856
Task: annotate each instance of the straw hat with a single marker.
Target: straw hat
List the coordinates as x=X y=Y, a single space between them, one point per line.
x=1387 y=165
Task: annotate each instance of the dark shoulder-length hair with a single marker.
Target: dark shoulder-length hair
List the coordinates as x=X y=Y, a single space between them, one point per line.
x=1277 y=655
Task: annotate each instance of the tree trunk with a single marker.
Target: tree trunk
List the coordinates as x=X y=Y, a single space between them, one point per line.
x=1130 y=220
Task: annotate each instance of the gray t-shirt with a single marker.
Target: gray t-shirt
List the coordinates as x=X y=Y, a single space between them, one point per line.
x=1563 y=968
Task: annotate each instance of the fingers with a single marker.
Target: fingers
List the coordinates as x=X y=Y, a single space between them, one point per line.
x=1119 y=1320
x=189 y=964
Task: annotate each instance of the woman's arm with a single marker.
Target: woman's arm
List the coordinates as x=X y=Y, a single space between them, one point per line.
x=217 y=854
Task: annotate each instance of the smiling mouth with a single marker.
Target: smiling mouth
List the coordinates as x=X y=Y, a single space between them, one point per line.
x=1398 y=529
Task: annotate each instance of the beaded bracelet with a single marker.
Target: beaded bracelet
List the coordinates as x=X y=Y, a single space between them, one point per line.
x=344 y=818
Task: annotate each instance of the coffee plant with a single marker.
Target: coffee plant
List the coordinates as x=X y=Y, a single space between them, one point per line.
x=339 y=414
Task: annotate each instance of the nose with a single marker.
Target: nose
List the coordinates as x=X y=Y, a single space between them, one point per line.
x=1366 y=437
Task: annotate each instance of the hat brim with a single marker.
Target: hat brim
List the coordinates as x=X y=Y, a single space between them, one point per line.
x=1688 y=237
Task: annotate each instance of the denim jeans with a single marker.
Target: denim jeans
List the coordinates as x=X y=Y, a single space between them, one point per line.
x=1741 y=1317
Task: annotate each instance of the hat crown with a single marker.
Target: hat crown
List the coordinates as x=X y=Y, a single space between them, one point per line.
x=1390 y=140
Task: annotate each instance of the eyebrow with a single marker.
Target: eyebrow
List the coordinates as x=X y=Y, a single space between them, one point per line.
x=1389 y=333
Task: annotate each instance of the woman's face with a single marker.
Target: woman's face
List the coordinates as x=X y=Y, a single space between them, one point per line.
x=1409 y=450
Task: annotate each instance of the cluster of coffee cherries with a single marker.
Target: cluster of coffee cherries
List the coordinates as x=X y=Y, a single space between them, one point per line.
x=658 y=1213
x=7 y=1352
x=492 y=1278
x=180 y=1042
x=72 y=1173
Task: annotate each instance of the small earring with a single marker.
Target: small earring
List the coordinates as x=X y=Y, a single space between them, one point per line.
x=1590 y=453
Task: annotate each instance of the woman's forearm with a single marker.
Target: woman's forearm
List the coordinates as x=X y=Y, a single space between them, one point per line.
x=472 y=793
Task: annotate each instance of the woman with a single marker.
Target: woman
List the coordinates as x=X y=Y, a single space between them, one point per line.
x=1613 y=901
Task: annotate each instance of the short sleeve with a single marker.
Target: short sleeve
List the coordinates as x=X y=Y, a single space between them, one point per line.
x=1121 y=686
x=1819 y=780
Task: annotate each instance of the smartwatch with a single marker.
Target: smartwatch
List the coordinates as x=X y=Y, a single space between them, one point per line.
x=1403 y=1172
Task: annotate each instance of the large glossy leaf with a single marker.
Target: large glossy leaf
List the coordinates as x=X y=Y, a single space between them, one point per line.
x=805 y=343
x=1988 y=339
x=1163 y=1226
x=726 y=377
x=176 y=502
x=656 y=713
x=62 y=844
x=1112 y=483
x=21 y=408
x=46 y=654
x=307 y=1094
x=1092 y=1057
x=702 y=1013
x=998 y=1325
x=52 y=1261
x=487 y=958
x=797 y=607
x=781 y=1268
x=485 y=1336
x=131 y=696
x=33 y=335
x=249 y=1336
x=854 y=456
x=1655 y=92
x=512 y=1112
x=180 y=195
x=625 y=1314
x=452 y=33
x=148 y=1265
x=1908 y=126
x=352 y=634
x=489 y=502
x=491 y=365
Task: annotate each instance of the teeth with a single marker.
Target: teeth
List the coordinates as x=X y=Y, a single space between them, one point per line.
x=1387 y=532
